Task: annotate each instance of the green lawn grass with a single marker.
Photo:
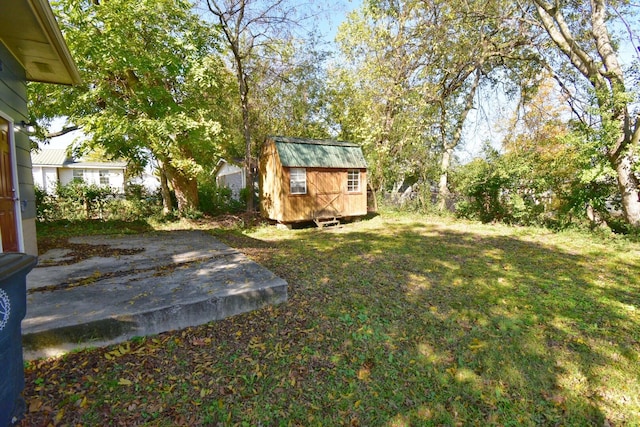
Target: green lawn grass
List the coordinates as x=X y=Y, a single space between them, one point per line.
x=396 y=320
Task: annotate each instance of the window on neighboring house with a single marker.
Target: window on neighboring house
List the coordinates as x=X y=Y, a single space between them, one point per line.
x=78 y=174
x=353 y=181
x=298 y=180
x=104 y=177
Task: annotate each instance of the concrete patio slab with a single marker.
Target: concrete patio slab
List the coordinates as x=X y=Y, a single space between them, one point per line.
x=164 y=281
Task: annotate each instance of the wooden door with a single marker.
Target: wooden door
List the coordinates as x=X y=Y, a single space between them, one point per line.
x=8 y=227
x=328 y=194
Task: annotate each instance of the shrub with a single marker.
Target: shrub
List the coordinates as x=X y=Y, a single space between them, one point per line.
x=216 y=200
x=79 y=201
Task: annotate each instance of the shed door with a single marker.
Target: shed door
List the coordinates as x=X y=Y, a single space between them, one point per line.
x=7 y=193
x=328 y=194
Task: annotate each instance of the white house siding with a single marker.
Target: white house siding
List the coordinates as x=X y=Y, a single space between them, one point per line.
x=92 y=176
x=232 y=177
x=45 y=178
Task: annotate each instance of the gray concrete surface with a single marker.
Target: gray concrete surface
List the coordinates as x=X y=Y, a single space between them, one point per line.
x=175 y=280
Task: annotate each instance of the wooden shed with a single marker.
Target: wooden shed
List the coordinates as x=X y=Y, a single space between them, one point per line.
x=312 y=180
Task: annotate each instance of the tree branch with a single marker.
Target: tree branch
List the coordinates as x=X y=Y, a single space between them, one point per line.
x=559 y=31
x=64 y=131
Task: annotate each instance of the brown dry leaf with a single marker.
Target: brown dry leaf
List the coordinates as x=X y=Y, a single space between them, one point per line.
x=35 y=405
x=364 y=374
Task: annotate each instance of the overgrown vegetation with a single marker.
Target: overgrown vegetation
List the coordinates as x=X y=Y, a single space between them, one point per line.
x=79 y=201
x=396 y=320
x=215 y=200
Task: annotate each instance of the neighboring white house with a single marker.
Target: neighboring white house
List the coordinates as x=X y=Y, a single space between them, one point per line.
x=230 y=176
x=53 y=166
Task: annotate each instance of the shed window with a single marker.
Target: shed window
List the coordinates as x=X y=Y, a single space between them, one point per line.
x=298 y=180
x=353 y=181
x=104 y=177
x=78 y=175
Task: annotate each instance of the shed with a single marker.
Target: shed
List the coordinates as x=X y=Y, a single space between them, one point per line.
x=312 y=180
x=31 y=49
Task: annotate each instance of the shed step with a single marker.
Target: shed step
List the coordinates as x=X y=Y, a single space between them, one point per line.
x=321 y=223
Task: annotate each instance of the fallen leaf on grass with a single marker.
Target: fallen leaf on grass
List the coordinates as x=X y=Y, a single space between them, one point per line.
x=364 y=374
x=476 y=345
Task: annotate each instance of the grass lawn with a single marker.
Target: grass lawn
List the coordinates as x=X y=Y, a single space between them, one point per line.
x=398 y=320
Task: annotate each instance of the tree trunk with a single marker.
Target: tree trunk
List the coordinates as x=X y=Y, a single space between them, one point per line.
x=445 y=164
x=606 y=76
x=629 y=188
x=247 y=146
x=167 y=204
x=186 y=189
x=243 y=86
x=443 y=185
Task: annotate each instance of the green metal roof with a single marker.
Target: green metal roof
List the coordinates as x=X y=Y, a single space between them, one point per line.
x=316 y=153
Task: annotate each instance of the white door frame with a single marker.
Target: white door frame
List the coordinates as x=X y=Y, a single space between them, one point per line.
x=16 y=183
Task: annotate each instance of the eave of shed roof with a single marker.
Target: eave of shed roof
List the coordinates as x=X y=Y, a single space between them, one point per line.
x=310 y=153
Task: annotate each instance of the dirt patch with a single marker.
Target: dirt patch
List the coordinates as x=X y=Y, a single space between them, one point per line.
x=76 y=252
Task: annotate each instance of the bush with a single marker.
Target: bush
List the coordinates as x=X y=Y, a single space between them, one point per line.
x=501 y=188
x=79 y=201
x=216 y=200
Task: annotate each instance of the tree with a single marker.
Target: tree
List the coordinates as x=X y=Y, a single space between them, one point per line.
x=375 y=93
x=249 y=27
x=421 y=64
x=471 y=43
x=580 y=32
x=290 y=93
x=154 y=86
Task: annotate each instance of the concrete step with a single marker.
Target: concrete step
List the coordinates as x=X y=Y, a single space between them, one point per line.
x=178 y=280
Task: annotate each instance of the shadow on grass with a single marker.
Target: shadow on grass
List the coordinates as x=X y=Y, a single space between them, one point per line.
x=444 y=326
x=389 y=323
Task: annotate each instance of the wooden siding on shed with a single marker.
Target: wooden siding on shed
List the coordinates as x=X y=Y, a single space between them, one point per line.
x=326 y=196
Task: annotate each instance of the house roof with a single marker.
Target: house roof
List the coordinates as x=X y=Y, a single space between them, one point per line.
x=29 y=30
x=59 y=158
x=50 y=158
x=224 y=167
x=308 y=153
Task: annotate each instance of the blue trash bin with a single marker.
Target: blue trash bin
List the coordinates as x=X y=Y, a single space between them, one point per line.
x=14 y=268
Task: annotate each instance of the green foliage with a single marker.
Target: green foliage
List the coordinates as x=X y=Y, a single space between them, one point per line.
x=80 y=201
x=484 y=185
x=291 y=100
x=154 y=85
x=45 y=204
x=550 y=185
x=215 y=200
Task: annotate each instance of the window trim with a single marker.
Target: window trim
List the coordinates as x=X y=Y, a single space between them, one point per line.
x=79 y=175
x=298 y=181
x=351 y=181
x=104 y=174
